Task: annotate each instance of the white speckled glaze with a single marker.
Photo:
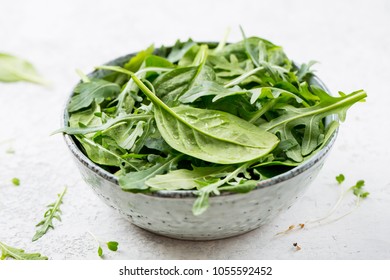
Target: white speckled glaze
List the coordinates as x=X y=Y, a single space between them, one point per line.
x=169 y=213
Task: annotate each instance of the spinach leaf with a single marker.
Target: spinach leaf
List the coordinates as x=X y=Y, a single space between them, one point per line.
x=171 y=85
x=209 y=135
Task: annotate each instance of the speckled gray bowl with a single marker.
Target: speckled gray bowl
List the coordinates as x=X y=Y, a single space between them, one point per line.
x=169 y=212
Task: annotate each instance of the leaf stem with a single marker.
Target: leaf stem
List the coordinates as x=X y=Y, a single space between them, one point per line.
x=242 y=77
x=82 y=76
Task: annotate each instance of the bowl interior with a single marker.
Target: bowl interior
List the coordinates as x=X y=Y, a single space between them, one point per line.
x=77 y=152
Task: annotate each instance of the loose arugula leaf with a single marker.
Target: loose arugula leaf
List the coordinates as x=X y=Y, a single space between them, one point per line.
x=96 y=90
x=340 y=178
x=53 y=212
x=15 y=69
x=18 y=254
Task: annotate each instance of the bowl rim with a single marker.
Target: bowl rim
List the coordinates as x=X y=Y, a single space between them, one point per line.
x=95 y=168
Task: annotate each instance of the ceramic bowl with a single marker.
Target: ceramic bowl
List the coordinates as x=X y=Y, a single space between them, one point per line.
x=169 y=213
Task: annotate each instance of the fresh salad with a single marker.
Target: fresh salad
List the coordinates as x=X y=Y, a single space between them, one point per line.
x=203 y=117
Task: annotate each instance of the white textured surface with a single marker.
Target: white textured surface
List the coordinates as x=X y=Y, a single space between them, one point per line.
x=351 y=39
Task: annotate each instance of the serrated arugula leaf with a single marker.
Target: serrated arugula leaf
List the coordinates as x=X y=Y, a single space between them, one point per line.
x=53 y=212
x=15 y=69
x=179 y=49
x=135 y=181
x=311 y=119
x=18 y=254
x=96 y=90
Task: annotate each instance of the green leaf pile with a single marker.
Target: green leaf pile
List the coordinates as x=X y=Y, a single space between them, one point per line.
x=204 y=117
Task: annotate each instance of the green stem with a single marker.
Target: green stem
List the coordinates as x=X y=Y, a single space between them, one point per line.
x=242 y=77
x=108 y=124
x=82 y=76
x=222 y=43
x=263 y=110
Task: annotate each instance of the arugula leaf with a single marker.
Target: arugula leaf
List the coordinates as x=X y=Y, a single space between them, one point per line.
x=96 y=90
x=184 y=179
x=86 y=118
x=136 y=61
x=18 y=254
x=311 y=118
x=135 y=181
x=340 y=178
x=102 y=155
x=178 y=50
x=15 y=69
x=209 y=88
x=53 y=212
x=202 y=202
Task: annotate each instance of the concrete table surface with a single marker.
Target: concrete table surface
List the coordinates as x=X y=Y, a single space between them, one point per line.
x=351 y=39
